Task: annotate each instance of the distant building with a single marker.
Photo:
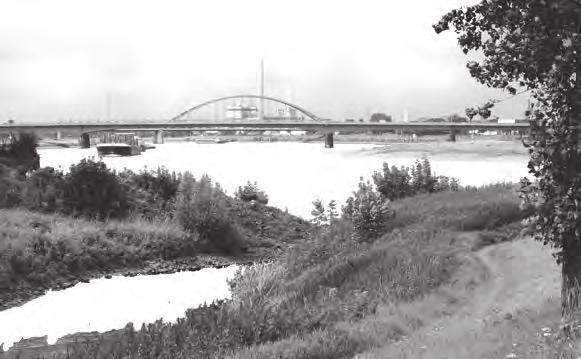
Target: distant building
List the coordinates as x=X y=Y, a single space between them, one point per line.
x=242 y=113
x=506 y=120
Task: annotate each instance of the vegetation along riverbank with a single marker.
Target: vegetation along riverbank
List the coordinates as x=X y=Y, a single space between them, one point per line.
x=401 y=254
x=59 y=229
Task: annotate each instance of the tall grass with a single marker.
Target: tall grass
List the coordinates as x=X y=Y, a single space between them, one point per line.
x=37 y=250
x=299 y=305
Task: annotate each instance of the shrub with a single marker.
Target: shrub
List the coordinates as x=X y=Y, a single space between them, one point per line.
x=250 y=192
x=21 y=153
x=368 y=211
x=201 y=209
x=43 y=190
x=395 y=183
x=92 y=190
x=10 y=187
x=151 y=194
x=322 y=216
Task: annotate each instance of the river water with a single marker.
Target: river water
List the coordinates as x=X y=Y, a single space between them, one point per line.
x=292 y=174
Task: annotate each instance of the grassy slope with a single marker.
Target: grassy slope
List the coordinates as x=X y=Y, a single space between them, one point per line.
x=407 y=268
x=42 y=251
x=330 y=297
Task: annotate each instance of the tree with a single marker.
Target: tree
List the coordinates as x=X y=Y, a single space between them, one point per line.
x=21 y=153
x=93 y=190
x=379 y=117
x=484 y=111
x=535 y=45
x=456 y=118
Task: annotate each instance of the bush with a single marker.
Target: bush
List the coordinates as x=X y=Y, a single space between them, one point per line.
x=151 y=194
x=21 y=153
x=322 y=216
x=43 y=190
x=250 y=192
x=395 y=183
x=94 y=191
x=201 y=209
x=10 y=187
x=368 y=211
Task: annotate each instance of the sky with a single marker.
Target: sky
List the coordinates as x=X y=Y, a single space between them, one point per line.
x=68 y=59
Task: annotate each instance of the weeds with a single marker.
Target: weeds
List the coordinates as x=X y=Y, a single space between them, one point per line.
x=296 y=306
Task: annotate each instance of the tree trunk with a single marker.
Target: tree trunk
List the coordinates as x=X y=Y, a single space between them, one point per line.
x=571 y=281
x=571 y=257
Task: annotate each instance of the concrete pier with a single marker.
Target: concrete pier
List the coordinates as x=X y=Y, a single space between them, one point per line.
x=158 y=137
x=452 y=135
x=85 y=140
x=329 y=140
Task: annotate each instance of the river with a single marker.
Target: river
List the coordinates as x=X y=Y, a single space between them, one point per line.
x=292 y=174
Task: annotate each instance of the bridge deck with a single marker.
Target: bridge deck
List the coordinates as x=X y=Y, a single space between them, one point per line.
x=328 y=126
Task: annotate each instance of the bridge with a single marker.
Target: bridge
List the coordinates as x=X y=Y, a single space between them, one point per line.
x=251 y=113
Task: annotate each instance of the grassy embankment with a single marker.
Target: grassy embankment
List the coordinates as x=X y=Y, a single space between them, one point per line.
x=58 y=229
x=51 y=251
x=333 y=297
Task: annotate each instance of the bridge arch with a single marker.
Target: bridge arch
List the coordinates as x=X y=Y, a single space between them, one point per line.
x=193 y=109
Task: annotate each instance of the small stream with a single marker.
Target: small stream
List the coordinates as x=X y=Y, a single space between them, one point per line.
x=104 y=304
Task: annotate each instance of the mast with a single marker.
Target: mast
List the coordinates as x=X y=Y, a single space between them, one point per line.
x=261 y=116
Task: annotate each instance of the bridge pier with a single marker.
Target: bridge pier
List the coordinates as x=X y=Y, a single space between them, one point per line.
x=58 y=135
x=329 y=140
x=85 y=140
x=452 y=135
x=158 y=137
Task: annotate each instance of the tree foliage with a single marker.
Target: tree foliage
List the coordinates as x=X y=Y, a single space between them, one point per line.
x=369 y=212
x=202 y=209
x=21 y=153
x=250 y=192
x=394 y=183
x=380 y=117
x=93 y=190
x=535 y=45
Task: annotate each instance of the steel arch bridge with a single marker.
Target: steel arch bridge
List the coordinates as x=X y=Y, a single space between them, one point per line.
x=245 y=108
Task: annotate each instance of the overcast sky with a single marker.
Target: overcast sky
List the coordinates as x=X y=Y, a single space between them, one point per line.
x=59 y=59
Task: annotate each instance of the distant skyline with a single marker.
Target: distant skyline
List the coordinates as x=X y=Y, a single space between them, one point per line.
x=70 y=59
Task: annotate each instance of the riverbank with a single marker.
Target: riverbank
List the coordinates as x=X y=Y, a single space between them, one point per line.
x=42 y=252
x=390 y=143
x=331 y=296
x=481 y=146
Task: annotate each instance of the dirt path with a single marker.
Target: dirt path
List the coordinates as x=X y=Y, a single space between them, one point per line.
x=522 y=277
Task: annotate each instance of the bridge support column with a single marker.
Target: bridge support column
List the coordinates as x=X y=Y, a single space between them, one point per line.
x=58 y=135
x=329 y=140
x=85 y=140
x=158 y=137
x=452 y=135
